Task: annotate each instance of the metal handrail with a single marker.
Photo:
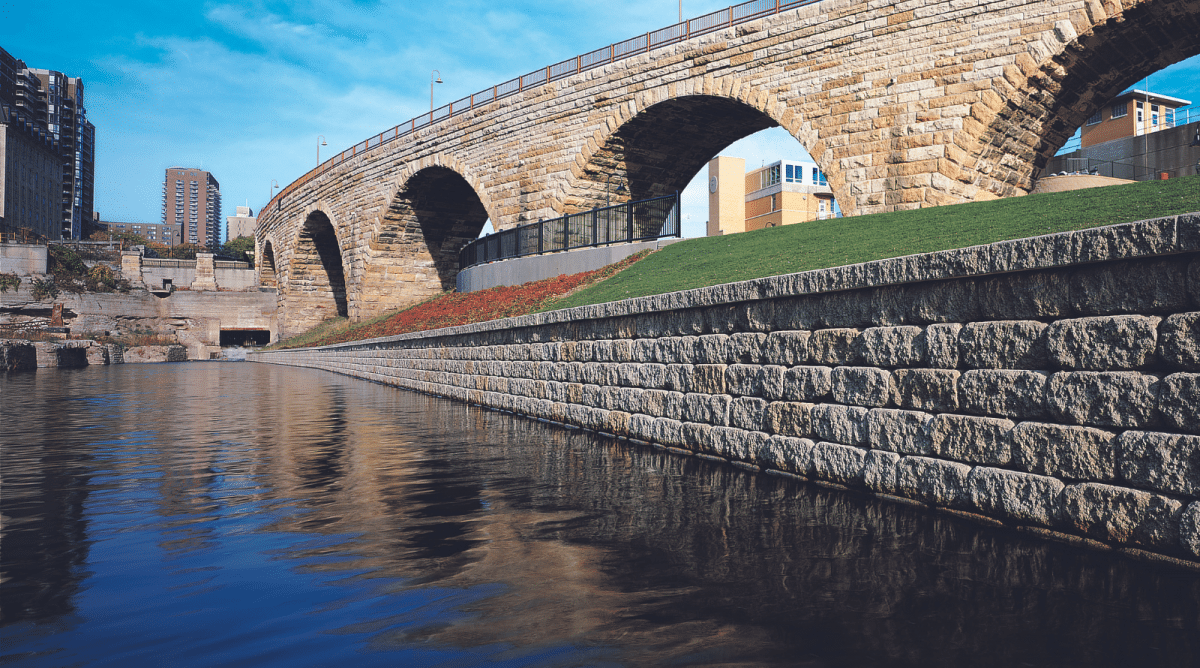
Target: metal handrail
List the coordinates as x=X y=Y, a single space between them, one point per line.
x=642 y=220
x=679 y=32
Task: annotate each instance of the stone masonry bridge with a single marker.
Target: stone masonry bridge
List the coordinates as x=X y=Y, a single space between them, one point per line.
x=903 y=105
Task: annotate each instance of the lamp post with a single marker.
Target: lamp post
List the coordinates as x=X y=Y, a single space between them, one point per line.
x=320 y=143
x=274 y=185
x=620 y=189
x=433 y=80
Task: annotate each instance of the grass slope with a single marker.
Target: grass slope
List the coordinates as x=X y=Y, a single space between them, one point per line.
x=701 y=262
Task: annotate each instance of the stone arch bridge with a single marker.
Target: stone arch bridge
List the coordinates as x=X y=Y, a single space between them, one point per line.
x=903 y=105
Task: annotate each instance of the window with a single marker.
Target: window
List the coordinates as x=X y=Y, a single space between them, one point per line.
x=1094 y=118
x=1120 y=110
x=818 y=177
x=768 y=177
x=1169 y=117
x=1154 y=119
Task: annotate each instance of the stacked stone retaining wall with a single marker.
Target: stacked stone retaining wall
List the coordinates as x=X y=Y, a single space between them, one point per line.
x=1051 y=384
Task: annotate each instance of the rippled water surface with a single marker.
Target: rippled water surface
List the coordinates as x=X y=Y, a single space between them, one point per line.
x=231 y=514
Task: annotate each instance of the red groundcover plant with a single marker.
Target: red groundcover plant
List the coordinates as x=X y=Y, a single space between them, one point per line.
x=465 y=308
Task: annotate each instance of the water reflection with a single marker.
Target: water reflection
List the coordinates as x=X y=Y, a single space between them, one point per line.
x=225 y=513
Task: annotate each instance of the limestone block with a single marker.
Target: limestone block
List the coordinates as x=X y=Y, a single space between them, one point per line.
x=743 y=380
x=975 y=440
x=670 y=350
x=771 y=376
x=1122 y=515
x=941 y=345
x=807 y=383
x=1163 y=462
x=934 y=481
x=116 y=353
x=1102 y=343
x=1179 y=340
x=1138 y=286
x=152 y=354
x=708 y=408
x=839 y=463
x=643 y=351
x=1179 y=401
x=890 y=346
x=1003 y=344
x=1103 y=398
x=1043 y=294
x=648 y=375
x=786 y=348
x=840 y=424
x=788 y=418
x=696 y=436
x=832 y=346
x=1013 y=393
x=711 y=349
x=745 y=347
x=785 y=453
x=1024 y=497
x=1189 y=528
x=1062 y=451
x=925 y=389
x=908 y=432
x=880 y=471
x=736 y=444
x=747 y=413
x=708 y=378
x=97 y=355
x=861 y=386
x=678 y=377
x=667 y=432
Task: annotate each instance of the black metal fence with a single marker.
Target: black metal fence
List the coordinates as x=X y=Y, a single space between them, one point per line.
x=632 y=221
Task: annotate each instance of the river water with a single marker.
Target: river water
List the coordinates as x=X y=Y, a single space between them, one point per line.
x=240 y=514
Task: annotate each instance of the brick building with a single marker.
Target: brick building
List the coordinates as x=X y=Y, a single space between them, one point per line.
x=1130 y=114
x=192 y=203
x=782 y=193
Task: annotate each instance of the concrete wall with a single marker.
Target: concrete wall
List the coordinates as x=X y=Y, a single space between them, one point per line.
x=23 y=259
x=1051 y=384
x=1168 y=150
x=537 y=267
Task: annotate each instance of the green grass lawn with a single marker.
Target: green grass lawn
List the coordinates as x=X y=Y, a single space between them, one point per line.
x=701 y=262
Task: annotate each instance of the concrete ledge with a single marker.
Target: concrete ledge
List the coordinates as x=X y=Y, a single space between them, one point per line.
x=537 y=267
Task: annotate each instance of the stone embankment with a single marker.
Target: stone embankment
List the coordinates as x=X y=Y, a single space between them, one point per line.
x=1049 y=384
x=21 y=355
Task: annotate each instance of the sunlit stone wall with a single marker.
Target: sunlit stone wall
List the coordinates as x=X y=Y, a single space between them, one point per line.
x=1051 y=384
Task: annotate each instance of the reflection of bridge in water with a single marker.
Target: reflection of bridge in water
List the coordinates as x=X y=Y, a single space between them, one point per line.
x=901 y=106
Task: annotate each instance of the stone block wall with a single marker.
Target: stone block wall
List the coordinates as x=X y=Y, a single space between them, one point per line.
x=1051 y=384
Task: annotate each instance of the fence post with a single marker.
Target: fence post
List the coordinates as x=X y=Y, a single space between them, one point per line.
x=566 y=232
x=595 y=222
x=628 y=222
x=678 y=215
x=541 y=225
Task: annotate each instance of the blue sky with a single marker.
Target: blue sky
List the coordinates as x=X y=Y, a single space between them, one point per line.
x=244 y=89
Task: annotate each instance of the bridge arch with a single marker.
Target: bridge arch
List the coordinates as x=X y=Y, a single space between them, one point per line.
x=414 y=245
x=659 y=149
x=316 y=278
x=1095 y=57
x=267 y=275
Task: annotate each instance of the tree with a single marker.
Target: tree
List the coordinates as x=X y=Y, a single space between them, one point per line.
x=241 y=248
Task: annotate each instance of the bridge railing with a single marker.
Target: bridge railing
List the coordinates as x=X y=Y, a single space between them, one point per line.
x=622 y=223
x=712 y=22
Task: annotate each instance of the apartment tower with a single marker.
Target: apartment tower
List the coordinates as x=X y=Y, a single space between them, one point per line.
x=192 y=204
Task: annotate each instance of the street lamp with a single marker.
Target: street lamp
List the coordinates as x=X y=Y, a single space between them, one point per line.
x=274 y=185
x=620 y=189
x=432 y=81
x=320 y=143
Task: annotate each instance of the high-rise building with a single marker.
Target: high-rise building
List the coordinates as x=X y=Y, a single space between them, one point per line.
x=241 y=225
x=192 y=202
x=53 y=103
x=782 y=193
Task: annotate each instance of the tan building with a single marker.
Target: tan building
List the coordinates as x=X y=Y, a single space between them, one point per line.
x=241 y=225
x=192 y=203
x=783 y=193
x=168 y=235
x=1130 y=114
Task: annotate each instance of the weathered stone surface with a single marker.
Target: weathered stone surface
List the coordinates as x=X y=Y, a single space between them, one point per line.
x=1024 y=497
x=17 y=355
x=832 y=346
x=881 y=470
x=934 y=481
x=926 y=389
x=1179 y=340
x=786 y=348
x=1164 y=462
x=941 y=345
x=63 y=355
x=1189 y=528
x=1043 y=294
x=736 y=444
x=975 y=440
x=1103 y=343
x=785 y=453
x=708 y=378
x=1013 y=393
x=840 y=424
x=710 y=349
x=743 y=380
x=907 y=432
x=771 y=376
x=745 y=347
x=696 y=436
x=1139 y=286
x=678 y=377
x=861 y=385
x=807 y=383
x=789 y=418
x=1011 y=344
x=708 y=408
x=890 y=346
x=748 y=413
x=1122 y=515
x=1179 y=401
x=839 y=463
x=1103 y=398
x=1073 y=453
